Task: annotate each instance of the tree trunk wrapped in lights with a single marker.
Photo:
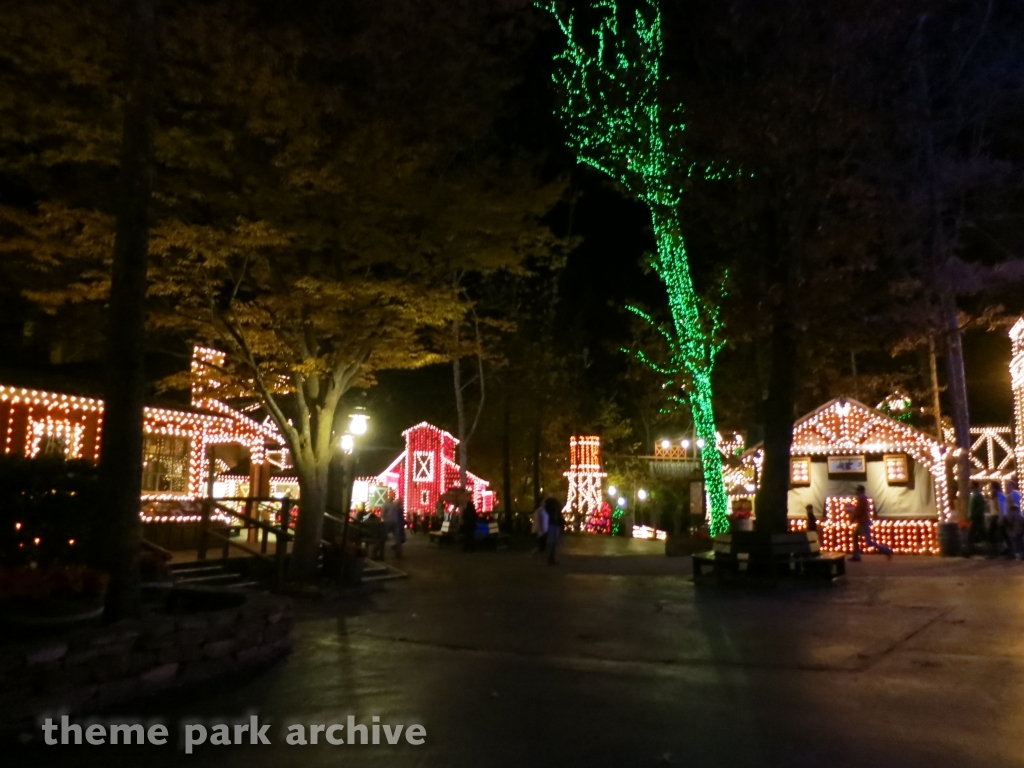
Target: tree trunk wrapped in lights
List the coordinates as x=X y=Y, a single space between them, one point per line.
x=616 y=124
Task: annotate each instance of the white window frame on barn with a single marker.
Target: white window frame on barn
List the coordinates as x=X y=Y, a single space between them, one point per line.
x=423 y=466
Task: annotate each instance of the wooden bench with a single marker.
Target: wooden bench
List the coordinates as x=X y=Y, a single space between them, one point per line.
x=444 y=536
x=816 y=566
x=491 y=539
x=441 y=537
x=828 y=566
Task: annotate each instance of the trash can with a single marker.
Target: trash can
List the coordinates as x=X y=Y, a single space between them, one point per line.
x=949 y=539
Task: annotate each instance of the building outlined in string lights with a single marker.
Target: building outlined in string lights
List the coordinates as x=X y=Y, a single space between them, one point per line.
x=175 y=442
x=844 y=444
x=422 y=473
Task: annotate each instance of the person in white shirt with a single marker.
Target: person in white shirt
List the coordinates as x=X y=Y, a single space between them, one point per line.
x=540 y=527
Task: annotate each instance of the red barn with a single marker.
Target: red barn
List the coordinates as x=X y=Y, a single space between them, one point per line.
x=427 y=468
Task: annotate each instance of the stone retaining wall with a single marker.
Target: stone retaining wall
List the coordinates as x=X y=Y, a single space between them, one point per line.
x=89 y=669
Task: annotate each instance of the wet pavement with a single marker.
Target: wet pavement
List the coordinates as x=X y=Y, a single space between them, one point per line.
x=615 y=658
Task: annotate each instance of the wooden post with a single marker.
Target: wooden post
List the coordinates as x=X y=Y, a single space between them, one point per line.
x=251 y=507
x=281 y=552
x=348 y=468
x=204 y=523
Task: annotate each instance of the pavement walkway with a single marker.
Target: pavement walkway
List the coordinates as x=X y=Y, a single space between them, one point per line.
x=615 y=658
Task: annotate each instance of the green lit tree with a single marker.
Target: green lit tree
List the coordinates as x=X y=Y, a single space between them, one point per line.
x=610 y=76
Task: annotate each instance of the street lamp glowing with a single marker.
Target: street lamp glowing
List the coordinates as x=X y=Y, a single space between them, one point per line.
x=348 y=443
x=357 y=424
x=613 y=491
x=622 y=502
x=641 y=494
x=666 y=444
x=685 y=444
x=700 y=443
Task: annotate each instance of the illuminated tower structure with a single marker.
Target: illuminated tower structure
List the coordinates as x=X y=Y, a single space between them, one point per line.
x=584 y=497
x=1017 y=383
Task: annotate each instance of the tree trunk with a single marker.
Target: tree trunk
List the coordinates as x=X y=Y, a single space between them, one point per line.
x=310 y=523
x=957 y=383
x=773 y=490
x=460 y=409
x=710 y=457
x=337 y=483
x=936 y=401
x=118 y=531
x=506 y=462
x=695 y=353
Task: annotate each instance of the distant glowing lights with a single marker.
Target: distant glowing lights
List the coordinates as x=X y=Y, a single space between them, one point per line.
x=646 y=532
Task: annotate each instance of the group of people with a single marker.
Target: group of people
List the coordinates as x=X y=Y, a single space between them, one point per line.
x=548 y=527
x=996 y=523
x=392 y=518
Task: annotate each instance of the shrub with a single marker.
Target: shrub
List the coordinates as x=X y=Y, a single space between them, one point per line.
x=46 y=510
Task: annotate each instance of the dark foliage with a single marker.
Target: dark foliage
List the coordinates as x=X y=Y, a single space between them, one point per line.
x=49 y=501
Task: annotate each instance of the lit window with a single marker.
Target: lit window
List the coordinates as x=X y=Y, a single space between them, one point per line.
x=897 y=468
x=424 y=497
x=800 y=470
x=423 y=466
x=165 y=461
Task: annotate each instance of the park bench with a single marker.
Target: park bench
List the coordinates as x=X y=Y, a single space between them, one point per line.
x=826 y=566
x=487 y=535
x=444 y=536
x=796 y=555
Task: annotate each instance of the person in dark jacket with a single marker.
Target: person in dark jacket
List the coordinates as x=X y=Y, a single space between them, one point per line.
x=812 y=521
x=469 y=527
x=556 y=527
x=976 y=509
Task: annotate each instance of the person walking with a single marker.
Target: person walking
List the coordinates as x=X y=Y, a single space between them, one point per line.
x=861 y=518
x=469 y=527
x=1014 y=520
x=393 y=514
x=540 y=528
x=976 y=507
x=998 y=540
x=556 y=527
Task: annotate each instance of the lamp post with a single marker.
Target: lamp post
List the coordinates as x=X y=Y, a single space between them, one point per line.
x=358 y=425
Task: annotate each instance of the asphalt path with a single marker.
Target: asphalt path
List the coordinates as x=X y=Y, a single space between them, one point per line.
x=614 y=658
